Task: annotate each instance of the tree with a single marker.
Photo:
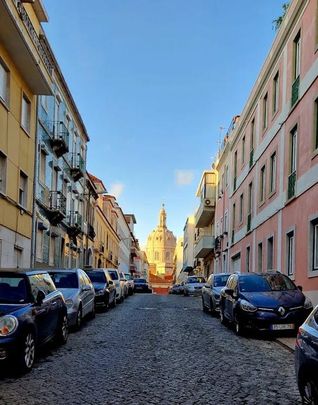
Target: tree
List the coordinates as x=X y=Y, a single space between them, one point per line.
x=278 y=21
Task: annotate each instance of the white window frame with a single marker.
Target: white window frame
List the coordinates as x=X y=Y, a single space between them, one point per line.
x=290 y=253
x=4 y=83
x=25 y=113
x=3 y=173
x=23 y=192
x=272 y=175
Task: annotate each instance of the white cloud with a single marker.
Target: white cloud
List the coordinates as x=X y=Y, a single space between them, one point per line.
x=116 y=189
x=184 y=177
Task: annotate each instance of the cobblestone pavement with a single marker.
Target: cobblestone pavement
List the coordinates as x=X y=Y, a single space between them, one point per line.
x=157 y=350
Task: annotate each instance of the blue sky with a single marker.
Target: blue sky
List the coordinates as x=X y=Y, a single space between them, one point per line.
x=154 y=81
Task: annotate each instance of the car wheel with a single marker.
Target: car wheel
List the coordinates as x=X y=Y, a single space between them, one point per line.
x=309 y=391
x=26 y=354
x=203 y=306
x=62 y=331
x=212 y=310
x=79 y=319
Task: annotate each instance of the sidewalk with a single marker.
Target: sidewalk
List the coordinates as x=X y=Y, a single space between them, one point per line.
x=287 y=342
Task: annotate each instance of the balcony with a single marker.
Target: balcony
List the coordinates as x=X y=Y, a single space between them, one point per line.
x=251 y=157
x=77 y=166
x=53 y=203
x=59 y=138
x=91 y=232
x=26 y=47
x=291 y=192
x=295 y=91
x=74 y=223
x=204 y=246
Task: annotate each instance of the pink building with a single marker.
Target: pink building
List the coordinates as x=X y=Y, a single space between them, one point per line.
x=268 y=167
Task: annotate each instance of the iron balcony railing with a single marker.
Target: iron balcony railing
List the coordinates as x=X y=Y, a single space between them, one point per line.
x=60 y=132
x=249 y=221
x=291 y=185
x=251 y=157
x=295 y=91
x=75 y=220
x=57 y=201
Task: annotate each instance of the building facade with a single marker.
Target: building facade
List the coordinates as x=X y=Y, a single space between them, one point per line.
x=25 y=72
x=272 y=154
x=125 y=243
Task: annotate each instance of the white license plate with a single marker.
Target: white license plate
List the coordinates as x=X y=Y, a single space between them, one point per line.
x=283 y=326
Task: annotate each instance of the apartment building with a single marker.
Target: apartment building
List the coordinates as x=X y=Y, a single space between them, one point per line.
x=125 y=243
x=60 y=192
x=272 y=155
x=25 y=72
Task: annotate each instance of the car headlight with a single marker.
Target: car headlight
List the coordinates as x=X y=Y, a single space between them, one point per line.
x=247 y=306
x=69 y=303
x=307 y=303
x=100 y=292
x=8 y=325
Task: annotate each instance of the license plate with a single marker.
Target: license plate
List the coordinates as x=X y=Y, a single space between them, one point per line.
x=283 y=326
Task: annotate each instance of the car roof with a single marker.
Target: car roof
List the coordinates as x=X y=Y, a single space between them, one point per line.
x=221 y=274
x=27 y=272
x=63 y=270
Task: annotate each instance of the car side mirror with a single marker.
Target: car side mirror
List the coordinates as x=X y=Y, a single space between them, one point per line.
x=110 y=282
x=40 y=297
x=300 y=287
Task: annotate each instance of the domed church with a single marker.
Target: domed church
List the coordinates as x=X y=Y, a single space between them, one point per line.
x=161 y=245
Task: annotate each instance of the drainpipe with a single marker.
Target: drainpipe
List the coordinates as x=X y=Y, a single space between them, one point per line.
x=35 y=181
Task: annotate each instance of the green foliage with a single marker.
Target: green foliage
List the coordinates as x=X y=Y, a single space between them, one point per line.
x=278 y=21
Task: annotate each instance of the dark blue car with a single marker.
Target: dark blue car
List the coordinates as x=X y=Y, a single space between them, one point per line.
x=263 y=301
x=32 y=312
x=211 y=292
x=306 y=359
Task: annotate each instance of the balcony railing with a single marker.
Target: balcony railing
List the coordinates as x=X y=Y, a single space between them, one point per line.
x=59 y=137
x=74 y=223
x=291 y=185
x=249 y=221
x=58 y=201
x=53 y=203
x=295 y=91
x=77 y=166
x=251 y=157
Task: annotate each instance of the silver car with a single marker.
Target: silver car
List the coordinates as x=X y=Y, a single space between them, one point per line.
x=193 y=285
x=78 y=292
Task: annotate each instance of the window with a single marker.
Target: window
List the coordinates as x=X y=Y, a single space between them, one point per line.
x=243 y=150
x=42 y=173
x=272 y=174
x=252 y=134
x=260 y=258
x=314 y=237
x=265 y=111
x=293 y=150
x=3 y=172
x=296 y=62
x=248 y=258
x=225 y=223
x=4 y=83
x=241 y=207
x=18 y=256
x=233 y=219
x=290 y=256
x=226 y=176
x=235 y=170
x=25 y=113
x=262 y=185
x=270 y=253
x=250 y=194
x=276 y=92
x=23 y=189
x=316 y=124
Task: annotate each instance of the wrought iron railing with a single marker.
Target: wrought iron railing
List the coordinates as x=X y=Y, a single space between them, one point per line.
x=75 y=220
x=251 y=157
x=57 y=201
x=295 y=91
x=291 y=185
x=249 y=221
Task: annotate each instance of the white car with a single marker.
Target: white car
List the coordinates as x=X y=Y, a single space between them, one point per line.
x=119 y=284
x=193 y=285
x=124 y=282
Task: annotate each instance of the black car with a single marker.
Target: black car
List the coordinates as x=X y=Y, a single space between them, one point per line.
x=306 y=359
x=105 y=290
x=211 y=292
x=265 y=301
x=141 y=285
x=32 y=312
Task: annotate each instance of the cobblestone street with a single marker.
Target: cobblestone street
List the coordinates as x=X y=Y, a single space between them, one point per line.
x=157 y=350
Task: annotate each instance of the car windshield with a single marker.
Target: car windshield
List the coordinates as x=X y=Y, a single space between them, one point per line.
x=196 y=280
x=13 y=290
x=140 y=280
x=128 y=276
x=220 y=281
x=65 y=280
x=97 y=276
x=265 y=283
x=113 y=275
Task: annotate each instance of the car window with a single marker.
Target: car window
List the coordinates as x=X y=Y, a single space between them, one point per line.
x=108 y=277
x=65 y=279
x=234 y=283
x=41 y=282
x=229 y=283
x=86 y=279
x=196 y=280
x=114 y=275
x=220 y=281
x=13 y=290
x=49 y=283
x=279 y=282
x=210 y=279
x=97 y=276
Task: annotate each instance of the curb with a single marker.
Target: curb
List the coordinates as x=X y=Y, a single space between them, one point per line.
x=286 y=344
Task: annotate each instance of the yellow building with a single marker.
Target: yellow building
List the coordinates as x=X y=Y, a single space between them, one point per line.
x=106 y=241
x=25 y=71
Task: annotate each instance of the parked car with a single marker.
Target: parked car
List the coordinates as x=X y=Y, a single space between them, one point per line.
x=176 y=289
x=105 y=290
x=193 y=285
x=306 y=359
x=32 y=312
x=78 y=292
x=131 y=283
x=266 y=302
x=211 y=292
x=120 y=289
x=141 y=285
x=124 y=283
